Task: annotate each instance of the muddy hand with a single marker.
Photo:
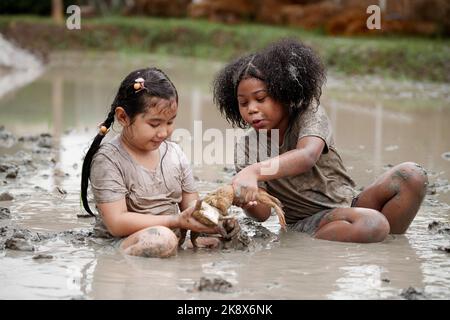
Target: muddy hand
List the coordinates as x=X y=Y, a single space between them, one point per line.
x=232 y=228
x=242 y=194
x=187 y=221
x=221 y=230
x=245 y=184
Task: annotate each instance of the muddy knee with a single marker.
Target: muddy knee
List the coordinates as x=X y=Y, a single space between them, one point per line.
x=153 y=242
x=376 y=226
x=413 y=176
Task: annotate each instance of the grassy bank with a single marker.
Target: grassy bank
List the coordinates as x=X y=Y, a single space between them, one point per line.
x=397 y=57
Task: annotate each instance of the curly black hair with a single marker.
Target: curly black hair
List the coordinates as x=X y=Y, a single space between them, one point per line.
x=292 y=72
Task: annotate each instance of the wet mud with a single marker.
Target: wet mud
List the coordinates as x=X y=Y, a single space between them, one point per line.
x=50 y=248
x=439 y=227
x=36 y=154
x=42 y=256
x=444 y=249
x=218 y=285
x=413 y=294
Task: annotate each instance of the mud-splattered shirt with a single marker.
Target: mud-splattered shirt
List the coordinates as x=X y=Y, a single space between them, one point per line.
x=116 y=175
x=326 y=185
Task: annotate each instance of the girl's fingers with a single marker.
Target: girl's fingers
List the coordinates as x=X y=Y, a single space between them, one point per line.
x=188 y=211
x=250 y=204
x=250 y=195
x=238 y=190
x=220 y=230
x=241 y=193
x=200 y=227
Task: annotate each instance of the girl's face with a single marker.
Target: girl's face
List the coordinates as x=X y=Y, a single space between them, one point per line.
x=257 y=108
x=150 y=129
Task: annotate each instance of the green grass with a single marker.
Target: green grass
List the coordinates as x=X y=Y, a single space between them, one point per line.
x=393 y=56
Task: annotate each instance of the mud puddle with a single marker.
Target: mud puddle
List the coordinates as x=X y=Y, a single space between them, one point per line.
x=48 y=251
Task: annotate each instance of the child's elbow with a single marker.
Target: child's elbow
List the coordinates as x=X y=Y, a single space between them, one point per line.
x=309 y=161
x=115 y=228
x=115 y=231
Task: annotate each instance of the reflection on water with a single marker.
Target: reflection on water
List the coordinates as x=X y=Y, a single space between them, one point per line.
x=17 y=67
x=372 y=131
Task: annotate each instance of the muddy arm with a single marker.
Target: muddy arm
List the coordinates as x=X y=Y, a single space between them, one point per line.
x=293 y=162
x=120 y=222
x=260 y=212
x=187 y=198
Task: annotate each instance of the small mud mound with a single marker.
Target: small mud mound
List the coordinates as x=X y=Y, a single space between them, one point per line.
x=5 y=213
x=42 y=256
x=239 y=242
x=439 y=227
x=7 y=139
x=251 y=236
x=438 y=186
x=258 y=231
x=445 y=249
x=412 y=293
x=215 y=285
x=6 y=196
x=15 y=238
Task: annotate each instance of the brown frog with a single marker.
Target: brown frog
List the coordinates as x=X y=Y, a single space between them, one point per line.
x=213 y=209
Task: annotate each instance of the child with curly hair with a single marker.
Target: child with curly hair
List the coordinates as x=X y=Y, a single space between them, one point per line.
x=279 y=88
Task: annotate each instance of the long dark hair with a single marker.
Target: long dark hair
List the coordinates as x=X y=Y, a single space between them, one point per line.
x=292 y=72
x=155 y=84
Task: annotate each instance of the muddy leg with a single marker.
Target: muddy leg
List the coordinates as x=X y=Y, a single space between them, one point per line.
x=398 y=194
x=204 y=242
x=353 y=225
x=155 y=242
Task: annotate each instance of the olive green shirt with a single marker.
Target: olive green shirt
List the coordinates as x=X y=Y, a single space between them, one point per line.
x=326 y=185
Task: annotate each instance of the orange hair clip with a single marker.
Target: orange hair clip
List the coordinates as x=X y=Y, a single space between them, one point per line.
x=103 y=130
x=139 y=85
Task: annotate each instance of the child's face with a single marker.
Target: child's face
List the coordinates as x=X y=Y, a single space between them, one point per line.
x=151 y=128
x=257 y=108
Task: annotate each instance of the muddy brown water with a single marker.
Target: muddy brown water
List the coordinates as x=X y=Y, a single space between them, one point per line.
x=377 y=123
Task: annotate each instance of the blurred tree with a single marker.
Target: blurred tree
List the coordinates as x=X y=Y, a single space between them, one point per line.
x=106 y=7
x=57 y=11
x=160 y=8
